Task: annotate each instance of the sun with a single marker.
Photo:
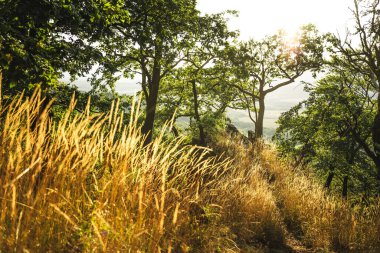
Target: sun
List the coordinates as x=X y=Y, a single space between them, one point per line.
x=290 y=38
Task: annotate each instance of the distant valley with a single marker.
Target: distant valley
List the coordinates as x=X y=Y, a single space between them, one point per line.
x=276 y=103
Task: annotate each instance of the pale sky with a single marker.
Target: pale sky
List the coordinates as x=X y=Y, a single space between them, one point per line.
x=258 y=18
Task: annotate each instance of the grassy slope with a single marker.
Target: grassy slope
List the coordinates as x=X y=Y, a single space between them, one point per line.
x=86 y=184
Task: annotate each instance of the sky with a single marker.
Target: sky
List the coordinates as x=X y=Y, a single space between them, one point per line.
x=258 y=18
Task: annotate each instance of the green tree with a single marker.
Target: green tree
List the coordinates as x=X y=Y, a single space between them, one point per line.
x=323 y=131
x=152 y=45
x=262 y=67
x=199 y=94
x=198 y=88
x=363 y=55
x=41 y=39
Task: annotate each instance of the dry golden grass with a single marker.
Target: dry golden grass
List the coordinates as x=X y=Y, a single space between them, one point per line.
x=87 y=184
x=249 y=207
x=321 y=221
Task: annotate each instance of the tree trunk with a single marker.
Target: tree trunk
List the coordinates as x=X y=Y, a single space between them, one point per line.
x=202 y=136
x=143 y=82
x=376 y=138
x=150 y=110
x=259 y=125
x=345 y=187
x=329 y=180
x=151 y=103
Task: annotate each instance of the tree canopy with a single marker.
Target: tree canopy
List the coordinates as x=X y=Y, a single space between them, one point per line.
x=325 y=131
x=262 y=67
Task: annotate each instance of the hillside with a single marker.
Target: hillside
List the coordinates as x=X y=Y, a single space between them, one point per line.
x=87 y=184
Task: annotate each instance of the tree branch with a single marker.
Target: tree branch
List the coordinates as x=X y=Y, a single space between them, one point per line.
x=279 y=85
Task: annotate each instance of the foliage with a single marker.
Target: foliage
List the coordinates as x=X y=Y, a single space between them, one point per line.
x=342 y=116
x=100 y=102
x=323 y=131
x=39 y=40
x=152 y=45
x=198 y=89
x=363 y=56
x=261 y=67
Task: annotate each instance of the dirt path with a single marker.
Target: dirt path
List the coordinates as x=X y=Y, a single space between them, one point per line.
x=292 y=243
x=296 y=245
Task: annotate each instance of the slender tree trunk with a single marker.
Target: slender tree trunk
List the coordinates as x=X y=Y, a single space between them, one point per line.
x=151 y=102
x=329 y=180
x=150 y=110
x=259 y=125
x=202 y=136
x=345 y=187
